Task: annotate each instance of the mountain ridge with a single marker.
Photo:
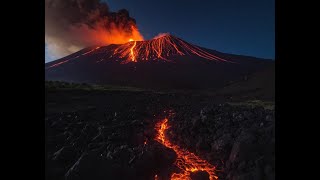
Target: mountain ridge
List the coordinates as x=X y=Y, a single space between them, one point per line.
x=164 y=62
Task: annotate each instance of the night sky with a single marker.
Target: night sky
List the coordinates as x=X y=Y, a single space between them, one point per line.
x=243 y=27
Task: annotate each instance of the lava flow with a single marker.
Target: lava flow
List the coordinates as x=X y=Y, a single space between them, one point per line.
x=165 y=48
x=133 y=58
x=186 y=161
x=62 y=62
x=161 y=48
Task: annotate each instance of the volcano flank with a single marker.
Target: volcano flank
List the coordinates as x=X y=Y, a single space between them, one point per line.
x=163 y=62
x=161 y=109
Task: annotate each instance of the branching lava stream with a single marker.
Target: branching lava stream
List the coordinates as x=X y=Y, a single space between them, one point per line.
x=186 y=161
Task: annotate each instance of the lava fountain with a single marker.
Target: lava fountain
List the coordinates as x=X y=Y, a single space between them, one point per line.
x=186 y=161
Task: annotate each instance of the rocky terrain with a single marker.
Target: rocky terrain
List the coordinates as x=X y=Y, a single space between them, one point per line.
x=110 y=135
x=239 y=140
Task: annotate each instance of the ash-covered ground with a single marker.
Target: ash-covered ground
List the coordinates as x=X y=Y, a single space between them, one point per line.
x=109 y=134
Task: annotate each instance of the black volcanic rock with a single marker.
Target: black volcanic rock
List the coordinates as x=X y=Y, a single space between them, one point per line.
x=199 y=175
x=92 y=166
x=156 y=158
x=116 y=137
x=239 y=144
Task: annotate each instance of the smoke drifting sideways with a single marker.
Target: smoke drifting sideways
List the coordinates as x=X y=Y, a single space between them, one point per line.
x=71 y=25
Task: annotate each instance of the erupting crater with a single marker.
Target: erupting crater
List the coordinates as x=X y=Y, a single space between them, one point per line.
x=186 y=161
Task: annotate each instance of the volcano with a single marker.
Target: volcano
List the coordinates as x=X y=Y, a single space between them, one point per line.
x=163 y=62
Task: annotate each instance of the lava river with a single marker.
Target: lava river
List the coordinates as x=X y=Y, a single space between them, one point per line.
x=186 y=161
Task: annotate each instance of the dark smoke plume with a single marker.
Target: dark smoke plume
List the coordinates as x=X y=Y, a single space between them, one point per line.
x=74 y=24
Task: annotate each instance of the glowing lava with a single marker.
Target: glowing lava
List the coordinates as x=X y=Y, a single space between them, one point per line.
x=133 y=58
x=186 y=161
x=160 y=48
x=62 y=62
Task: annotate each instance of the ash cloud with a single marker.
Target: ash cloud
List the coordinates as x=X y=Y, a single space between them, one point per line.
x=71 y=25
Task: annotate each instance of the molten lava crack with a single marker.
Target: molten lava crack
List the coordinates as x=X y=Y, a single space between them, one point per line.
x=62 y=62
x=133 y=58
x=186 y=161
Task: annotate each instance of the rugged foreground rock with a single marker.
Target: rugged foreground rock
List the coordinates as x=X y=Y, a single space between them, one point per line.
x=110 y=141
x=240 y=140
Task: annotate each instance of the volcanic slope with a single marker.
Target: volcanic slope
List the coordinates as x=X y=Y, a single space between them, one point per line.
x=165 y=62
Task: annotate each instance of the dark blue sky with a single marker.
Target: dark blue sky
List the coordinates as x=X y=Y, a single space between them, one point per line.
x=243 y=27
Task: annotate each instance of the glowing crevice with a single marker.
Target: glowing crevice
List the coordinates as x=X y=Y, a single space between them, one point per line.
x=186 y=161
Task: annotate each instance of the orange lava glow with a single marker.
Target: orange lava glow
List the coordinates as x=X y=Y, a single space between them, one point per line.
x=133 y=57
x=62 y=62
x=59 y=63
x=162 y=47
x=186 y=161
x=99 y=35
